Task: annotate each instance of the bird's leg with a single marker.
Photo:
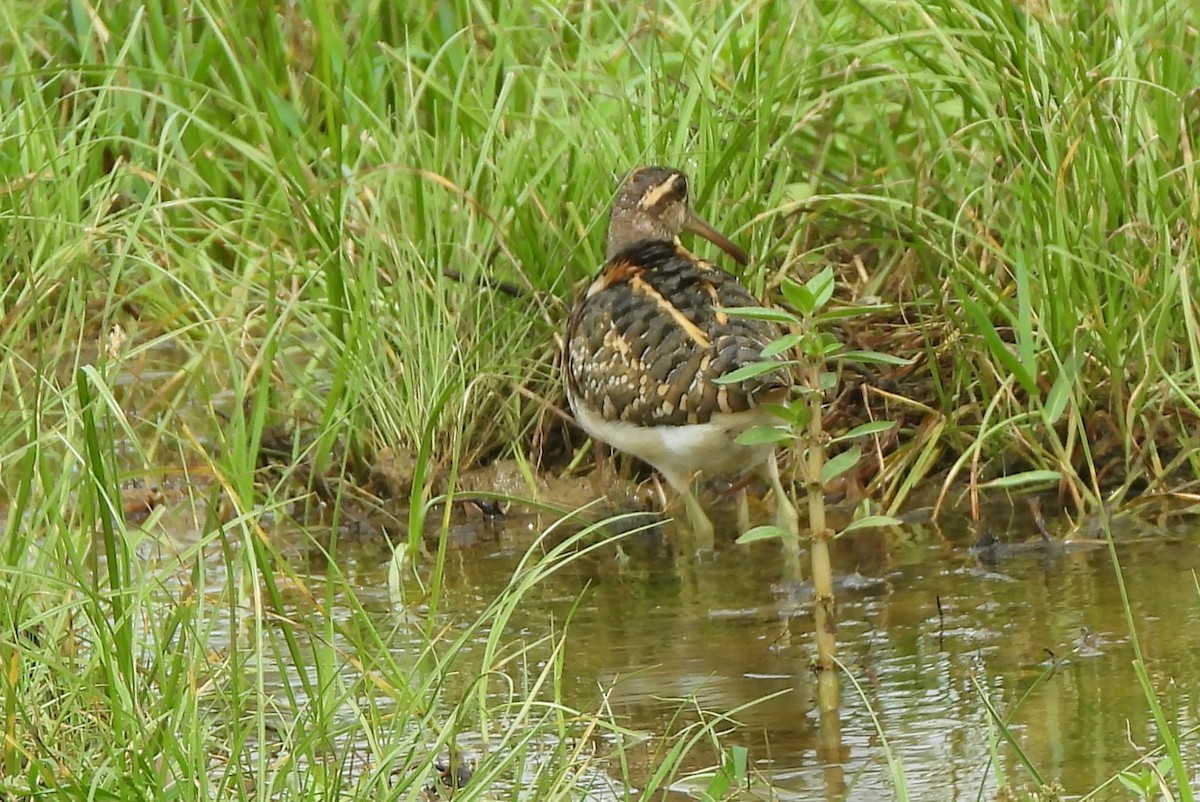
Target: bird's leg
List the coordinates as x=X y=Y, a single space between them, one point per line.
x=698 y=520
x=743 y=510
x=604 y=473
x=785 y=512
x=787 y=520
x=702 y=527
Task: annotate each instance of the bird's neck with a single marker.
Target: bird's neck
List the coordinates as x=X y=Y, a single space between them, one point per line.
x=624 y=232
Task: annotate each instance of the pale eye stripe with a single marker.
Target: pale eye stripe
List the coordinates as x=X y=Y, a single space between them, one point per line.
x=651 y=198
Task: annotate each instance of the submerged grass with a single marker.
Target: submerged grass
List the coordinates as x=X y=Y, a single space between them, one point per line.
x=218 y=218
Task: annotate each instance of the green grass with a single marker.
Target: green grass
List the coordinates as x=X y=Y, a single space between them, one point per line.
x=216 y=217
x=1020 y=180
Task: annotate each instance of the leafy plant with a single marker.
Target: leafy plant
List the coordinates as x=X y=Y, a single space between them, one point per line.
x=1148 y=782
x=814 y=349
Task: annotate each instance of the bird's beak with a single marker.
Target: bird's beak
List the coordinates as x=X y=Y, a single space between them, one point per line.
x=698 y=225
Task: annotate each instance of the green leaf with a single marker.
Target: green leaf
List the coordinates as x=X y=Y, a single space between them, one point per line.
x=871 y=522
x=821 y=346
x=798 y=296
x=785 y=343
x=738 y=761
x=718 y=785
x=821 y=287
x=795 y=415
x=1057 y=398
x=758 y=533
x=845 y=312
x=760 y=313
x=865 y=430
x=998 y=347
x=1060 y=392
x=830 y=345
x=872 y=357
x=764 y=434
x=1141 y=783
x=840 y=464
x=750 y=371
x=1025 y=478
x=797 y=191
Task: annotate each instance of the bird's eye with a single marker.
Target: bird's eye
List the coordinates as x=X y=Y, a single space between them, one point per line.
x=680 y=186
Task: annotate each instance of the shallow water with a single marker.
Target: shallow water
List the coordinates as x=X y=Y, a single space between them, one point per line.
x=928 y=627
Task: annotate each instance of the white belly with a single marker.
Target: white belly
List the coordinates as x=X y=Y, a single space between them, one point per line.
x=679 y=451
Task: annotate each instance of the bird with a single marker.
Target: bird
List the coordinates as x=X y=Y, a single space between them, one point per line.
x=650 y=337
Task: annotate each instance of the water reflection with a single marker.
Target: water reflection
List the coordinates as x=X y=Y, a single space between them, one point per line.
x=927 y=628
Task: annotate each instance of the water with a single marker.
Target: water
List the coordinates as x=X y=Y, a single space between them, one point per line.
x=933 y=631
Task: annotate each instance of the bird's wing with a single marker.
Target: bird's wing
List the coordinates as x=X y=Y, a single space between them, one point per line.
x=649 y=338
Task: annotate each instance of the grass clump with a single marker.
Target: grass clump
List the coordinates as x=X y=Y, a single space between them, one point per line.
x=138 y=666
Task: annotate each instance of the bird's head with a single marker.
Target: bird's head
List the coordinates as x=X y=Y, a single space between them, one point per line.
x=652 y=204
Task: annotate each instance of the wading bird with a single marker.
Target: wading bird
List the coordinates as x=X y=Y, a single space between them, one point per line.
x=649 y=338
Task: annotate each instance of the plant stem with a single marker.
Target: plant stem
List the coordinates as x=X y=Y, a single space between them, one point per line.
x=822 y=571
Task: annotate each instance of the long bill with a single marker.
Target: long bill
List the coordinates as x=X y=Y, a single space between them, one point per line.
x=698 y=225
